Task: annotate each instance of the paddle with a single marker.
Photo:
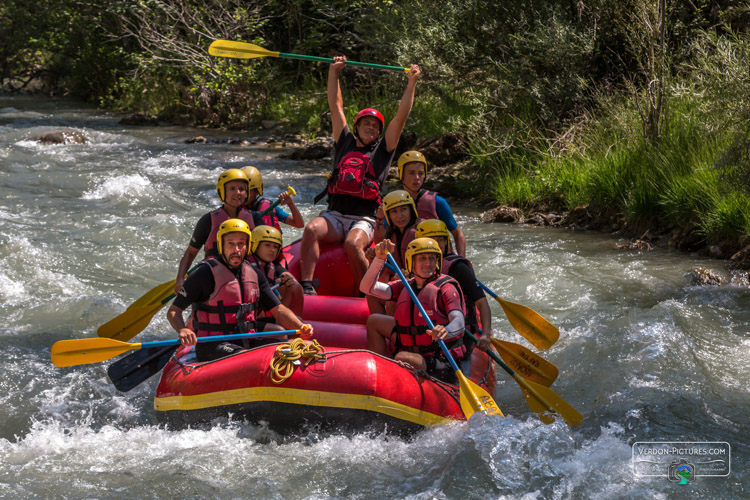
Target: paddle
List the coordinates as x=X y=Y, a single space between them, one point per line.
x=138 y=315
x=154 y=295
x=529 y=323
x=472 y=397
x=275 y=204
x=243 y=50
x=129 y=372
x=82 y=351
x=528 y=364
x=542 y=399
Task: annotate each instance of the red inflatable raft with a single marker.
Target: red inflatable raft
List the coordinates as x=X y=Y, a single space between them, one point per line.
x=350 y=388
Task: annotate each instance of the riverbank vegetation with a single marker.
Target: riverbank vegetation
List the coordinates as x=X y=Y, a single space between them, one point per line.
x=638 y=109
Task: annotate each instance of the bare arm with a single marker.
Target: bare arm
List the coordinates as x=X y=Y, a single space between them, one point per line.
x=335 y=100
x=396 y=126
x=295 y=218
x=460 y=239
x=485 y=317
x=185 y=262
x=289 y=320
x=186 y=335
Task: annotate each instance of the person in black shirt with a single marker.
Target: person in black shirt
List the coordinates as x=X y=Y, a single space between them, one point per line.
x=362 y=158
x=226 y=293
x=232 y=189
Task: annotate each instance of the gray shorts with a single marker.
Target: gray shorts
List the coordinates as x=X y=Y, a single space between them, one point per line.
x=342 y=224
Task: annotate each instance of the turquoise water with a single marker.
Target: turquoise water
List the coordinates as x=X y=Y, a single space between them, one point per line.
x=87 y=229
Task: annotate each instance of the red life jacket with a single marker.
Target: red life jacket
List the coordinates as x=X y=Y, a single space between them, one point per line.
x=405 y=240
x=411 y=327
x=217 y=217
x=231 y=308
x=270 y=218
x=353 y=176
x=426 y=204
x=449 y=260
x=267 y=268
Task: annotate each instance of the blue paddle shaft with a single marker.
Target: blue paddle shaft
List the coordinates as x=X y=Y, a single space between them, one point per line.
x=484 y=287
x=219 y=338
x=414 y=299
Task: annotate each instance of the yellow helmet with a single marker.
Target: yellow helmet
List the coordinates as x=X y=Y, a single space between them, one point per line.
x=410 y=157
x=396 y=199
x=232 y=174
x=432 y=228
x=254 y=178
x=266 y=233
x=422 y=245
x=233 y=226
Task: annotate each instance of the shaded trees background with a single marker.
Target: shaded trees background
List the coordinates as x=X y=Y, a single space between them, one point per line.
x=638 y=108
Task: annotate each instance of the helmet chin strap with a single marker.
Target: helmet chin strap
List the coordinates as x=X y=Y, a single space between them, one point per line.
x=356 y=135
x=425 y=278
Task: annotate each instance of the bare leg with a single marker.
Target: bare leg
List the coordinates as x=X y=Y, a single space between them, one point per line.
x=317 y=230
x=375 y=305
x=413 y=359
x=294 y=298
x=354 y=244
x=379 y=328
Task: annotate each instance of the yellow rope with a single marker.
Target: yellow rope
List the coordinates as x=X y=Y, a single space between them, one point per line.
x=282 y=364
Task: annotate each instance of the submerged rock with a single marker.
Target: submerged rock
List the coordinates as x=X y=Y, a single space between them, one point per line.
x=61 y=137
x=139 y=120
x=322 y=148
x=503 y=213
x=741 y=259
x=705 y=276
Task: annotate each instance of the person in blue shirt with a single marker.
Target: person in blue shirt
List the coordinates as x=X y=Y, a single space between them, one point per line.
x=258 y=203
x=412 y=172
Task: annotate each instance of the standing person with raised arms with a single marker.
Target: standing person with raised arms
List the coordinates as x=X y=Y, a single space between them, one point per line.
x=412 y=172
x=231 y=188
x=362 y=158
x=259 y=203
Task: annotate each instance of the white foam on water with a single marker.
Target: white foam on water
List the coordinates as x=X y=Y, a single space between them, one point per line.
x=181 y=165
x=119 y=188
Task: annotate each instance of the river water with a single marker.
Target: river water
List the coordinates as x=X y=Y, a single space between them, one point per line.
x=87 y=229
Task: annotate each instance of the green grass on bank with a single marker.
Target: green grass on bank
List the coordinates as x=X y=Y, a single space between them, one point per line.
x=678 y=183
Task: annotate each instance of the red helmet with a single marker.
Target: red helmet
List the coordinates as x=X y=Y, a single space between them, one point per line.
x=370 y=112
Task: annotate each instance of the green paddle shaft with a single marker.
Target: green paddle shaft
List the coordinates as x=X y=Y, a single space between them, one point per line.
x=273 y=205
x=353 y=63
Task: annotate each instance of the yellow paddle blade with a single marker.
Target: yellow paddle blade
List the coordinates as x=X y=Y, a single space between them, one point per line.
x=529 y=323
x=542 y=400
x=238 y=50
x=83 y=351
x=473 y=398
x=526 y=363
x=156 y=294
x=130 y=323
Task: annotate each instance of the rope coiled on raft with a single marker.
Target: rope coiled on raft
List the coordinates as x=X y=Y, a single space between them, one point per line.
x=282 y=364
